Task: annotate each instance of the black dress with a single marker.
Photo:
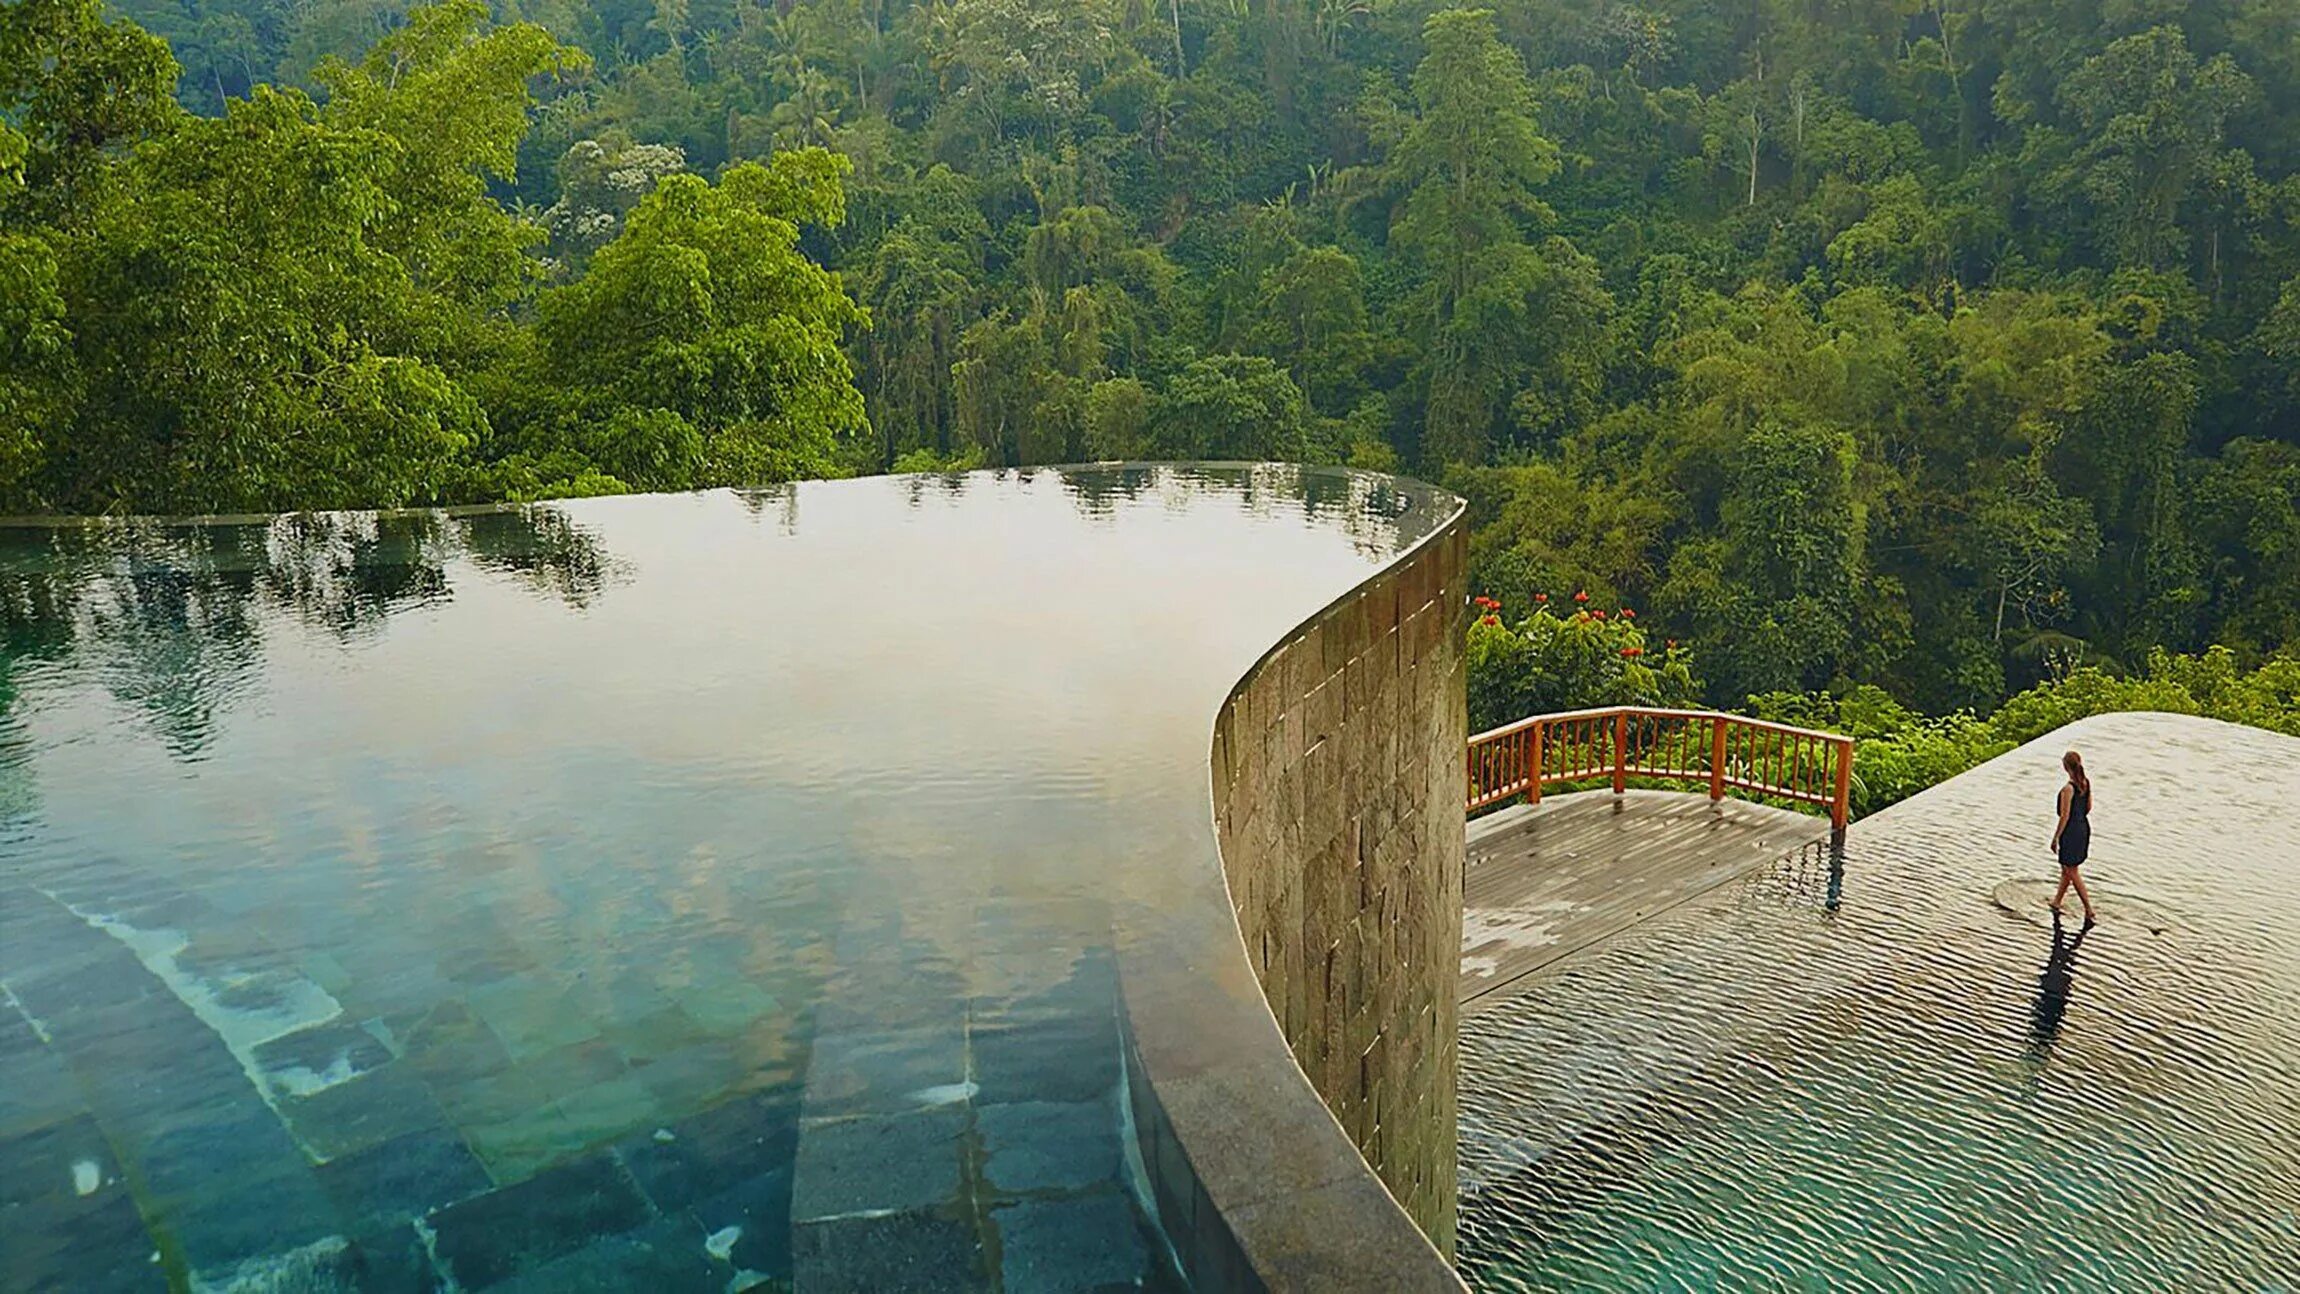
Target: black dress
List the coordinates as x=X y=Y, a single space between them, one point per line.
x=2076 y=837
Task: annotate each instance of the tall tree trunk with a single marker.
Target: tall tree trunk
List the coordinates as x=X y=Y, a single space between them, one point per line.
x=1797 y=105
x=1956 y=78
x=1756 y=136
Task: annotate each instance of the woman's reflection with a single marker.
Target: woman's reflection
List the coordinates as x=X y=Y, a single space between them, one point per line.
x=2052 y=989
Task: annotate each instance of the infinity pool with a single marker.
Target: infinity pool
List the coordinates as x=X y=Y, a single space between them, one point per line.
x=676 y=892
x=1900 y=1076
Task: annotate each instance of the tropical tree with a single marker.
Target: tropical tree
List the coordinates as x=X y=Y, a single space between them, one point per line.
x=704 y=323
x=1467 y=169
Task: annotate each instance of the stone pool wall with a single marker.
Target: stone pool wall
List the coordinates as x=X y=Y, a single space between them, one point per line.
x=1288 y=1004
x=1337 y=773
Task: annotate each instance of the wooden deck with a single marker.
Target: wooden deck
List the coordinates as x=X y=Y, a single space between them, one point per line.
x=1545 y=880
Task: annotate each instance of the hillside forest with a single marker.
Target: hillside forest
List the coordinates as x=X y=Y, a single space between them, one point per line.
x=1921 y=351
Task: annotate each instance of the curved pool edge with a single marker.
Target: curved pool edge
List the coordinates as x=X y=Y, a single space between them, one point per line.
x=1290 y=1064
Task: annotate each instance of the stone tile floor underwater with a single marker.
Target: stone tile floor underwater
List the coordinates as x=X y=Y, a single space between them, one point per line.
x=375 y=890
x=199 y=1111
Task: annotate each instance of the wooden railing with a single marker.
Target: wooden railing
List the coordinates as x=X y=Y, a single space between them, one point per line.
x=1723 y=752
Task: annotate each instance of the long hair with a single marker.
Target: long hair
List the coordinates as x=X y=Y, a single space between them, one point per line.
x=2074 y=763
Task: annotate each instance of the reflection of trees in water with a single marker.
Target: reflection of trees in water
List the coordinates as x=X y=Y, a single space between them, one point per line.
x=948 y=485
x=168 y=615
x=347 y=573
x=547 y=552
x=783 y=499
x=164 y=619
x=1380 y=518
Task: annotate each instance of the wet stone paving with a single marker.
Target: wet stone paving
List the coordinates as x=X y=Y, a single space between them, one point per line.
x=1894 y=1068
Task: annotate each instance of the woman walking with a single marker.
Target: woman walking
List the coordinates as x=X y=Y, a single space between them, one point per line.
x=2072 y=837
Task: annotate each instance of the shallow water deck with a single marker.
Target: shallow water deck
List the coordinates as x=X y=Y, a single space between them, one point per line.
x=1900 y=1071
x=1544 y=880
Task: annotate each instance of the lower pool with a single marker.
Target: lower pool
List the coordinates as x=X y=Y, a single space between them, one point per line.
x=683 y=892
x=1898 y=1074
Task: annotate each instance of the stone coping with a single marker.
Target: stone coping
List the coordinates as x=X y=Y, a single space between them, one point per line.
x=1255 y=1183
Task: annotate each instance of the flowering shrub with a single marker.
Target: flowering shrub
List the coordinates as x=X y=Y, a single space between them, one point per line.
x=1585 y=658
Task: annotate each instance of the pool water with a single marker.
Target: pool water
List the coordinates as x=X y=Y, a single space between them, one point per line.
x=677 y=892
x=1897 y=1074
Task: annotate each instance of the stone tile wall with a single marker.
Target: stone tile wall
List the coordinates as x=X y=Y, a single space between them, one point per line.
x=1338 y=786
x=1288 y=1016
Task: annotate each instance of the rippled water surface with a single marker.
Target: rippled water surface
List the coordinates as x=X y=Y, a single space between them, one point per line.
x=680 y=892
x=1903 y=1077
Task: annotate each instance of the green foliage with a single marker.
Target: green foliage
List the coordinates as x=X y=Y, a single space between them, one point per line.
x=1773 y=590
x=1468 y=166
x=37 y=369
x=2147 y=125
x=243 y=340
x=1897 y=752
x=74 y=88
x=1892 y=344
x=454 y=96
x=926 y=460
x=701 y=339
x=1900 y=752
x=598 y=186
x=1537 y=528
x=1313 y=320
x=321 y=304
x=1233 y=407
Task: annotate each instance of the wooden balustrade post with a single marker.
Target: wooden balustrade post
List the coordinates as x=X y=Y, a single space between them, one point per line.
x=1620 y=751
x=1717 y=757
x=1841 y=809
x=1533 y=762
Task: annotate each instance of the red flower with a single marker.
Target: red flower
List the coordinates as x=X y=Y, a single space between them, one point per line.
x=1628 y=614
x=1673 y=644
x=1541 y=597
x=1581 y=597
x=1489 y=620
x=1633 y=652
x=1597 y=615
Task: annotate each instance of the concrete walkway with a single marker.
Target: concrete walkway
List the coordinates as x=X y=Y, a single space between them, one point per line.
x=1547 y=879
